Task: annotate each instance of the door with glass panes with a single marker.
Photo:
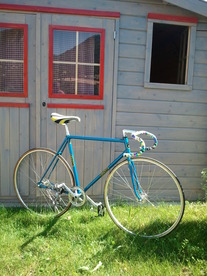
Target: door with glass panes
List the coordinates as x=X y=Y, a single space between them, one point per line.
x=17 y=95
x=78 y=81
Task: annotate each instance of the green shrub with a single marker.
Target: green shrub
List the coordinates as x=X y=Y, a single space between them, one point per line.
x=204 y=183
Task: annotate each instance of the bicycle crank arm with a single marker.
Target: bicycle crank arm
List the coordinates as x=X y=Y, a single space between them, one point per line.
x=93 y=202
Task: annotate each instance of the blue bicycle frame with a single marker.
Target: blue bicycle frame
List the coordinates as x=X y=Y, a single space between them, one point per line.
x=127 y=151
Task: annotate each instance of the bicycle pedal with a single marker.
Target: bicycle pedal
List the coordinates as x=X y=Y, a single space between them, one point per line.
x=101 y=210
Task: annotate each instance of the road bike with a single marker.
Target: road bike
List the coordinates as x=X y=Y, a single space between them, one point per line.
x=141 y=195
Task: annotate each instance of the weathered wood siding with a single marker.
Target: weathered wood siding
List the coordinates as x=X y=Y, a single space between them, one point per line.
x=178 y=118
x=14 y=141
x=17 y=120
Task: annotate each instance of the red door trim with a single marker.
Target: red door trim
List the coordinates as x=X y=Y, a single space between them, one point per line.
x=19 y=105
x=75 y=106
x=28 y=8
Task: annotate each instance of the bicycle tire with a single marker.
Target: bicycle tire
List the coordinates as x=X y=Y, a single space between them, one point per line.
x=162 y=205
x=28 y=172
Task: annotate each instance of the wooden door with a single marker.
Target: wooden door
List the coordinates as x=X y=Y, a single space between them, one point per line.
x=95 y=111
x=17 y=95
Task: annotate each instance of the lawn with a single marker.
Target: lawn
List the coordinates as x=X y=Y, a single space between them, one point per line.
x=81 y=243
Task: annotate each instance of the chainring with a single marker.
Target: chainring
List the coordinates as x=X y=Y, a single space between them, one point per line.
x=78 y=198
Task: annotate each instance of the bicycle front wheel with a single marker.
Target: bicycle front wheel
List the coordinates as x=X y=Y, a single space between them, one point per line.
x=50 y=195
x=160 y=205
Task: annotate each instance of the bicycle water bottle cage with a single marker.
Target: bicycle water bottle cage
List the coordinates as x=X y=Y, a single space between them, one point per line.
x=62 y=119
x=135 y=136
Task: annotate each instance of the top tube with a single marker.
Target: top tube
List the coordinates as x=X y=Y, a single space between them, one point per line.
x=94 y=138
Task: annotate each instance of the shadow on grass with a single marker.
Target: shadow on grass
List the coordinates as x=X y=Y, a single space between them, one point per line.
x=186 y=244
x=44 y=233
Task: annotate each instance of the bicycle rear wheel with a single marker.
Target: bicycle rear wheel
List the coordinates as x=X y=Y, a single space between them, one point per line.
x=44 y=197
x=162 y=200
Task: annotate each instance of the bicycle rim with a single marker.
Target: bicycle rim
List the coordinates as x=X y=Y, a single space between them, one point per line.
x=27 y=174
x=162 y=200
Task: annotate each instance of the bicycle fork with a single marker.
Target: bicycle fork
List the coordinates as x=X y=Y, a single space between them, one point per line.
x=135 y=182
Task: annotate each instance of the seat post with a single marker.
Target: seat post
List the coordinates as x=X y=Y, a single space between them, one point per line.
x=67 y=130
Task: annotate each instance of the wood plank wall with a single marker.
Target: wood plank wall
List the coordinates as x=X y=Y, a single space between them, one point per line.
x=178 y=118
x=14 y=141
x=17 y=118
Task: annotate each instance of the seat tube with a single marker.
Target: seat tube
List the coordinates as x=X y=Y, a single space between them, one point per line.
x=73 y=163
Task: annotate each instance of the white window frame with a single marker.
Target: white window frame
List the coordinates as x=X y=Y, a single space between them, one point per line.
x=176 y=20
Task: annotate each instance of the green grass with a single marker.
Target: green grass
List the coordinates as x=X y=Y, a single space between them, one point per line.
x=75 y=244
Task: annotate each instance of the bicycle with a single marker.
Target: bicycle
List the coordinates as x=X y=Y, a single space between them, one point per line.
x=142 y=195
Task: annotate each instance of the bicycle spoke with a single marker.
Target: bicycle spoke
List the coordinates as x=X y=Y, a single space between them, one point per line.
x=46 y=198
x=162 y=202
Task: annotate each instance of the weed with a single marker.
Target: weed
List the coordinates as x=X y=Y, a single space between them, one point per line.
x=204 y=183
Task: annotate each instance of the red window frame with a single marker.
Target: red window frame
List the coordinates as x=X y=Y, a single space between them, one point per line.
x=25 y=61
x=102 y=47
x=175 y=18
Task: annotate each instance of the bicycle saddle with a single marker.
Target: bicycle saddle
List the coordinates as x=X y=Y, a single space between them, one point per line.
x=62 y=119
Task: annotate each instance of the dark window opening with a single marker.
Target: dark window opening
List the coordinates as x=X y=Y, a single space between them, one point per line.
x=169 y=54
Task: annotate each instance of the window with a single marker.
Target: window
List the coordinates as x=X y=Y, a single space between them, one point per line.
x=76 y=62
x=13 y=60
x=170 y=51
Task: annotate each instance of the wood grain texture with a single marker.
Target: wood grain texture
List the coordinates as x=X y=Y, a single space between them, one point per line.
x=178 y=118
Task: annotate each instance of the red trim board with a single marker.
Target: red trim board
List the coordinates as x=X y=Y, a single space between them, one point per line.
x=43 y=9
x=19 y=105
x=75 y=106
x=176 y=18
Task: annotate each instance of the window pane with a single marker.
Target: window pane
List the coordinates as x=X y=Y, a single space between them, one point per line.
x=63 y=79
x=89 y=48
x=64 y=46
x=169 y=54
x=11 y=60
x=11 y=77
x=76 y=62
x=88 y=80
x=11 y=44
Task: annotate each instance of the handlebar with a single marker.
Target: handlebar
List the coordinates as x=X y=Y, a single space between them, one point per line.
x=135 y=136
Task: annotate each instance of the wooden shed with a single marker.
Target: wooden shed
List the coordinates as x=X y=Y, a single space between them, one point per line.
x=114 y=63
